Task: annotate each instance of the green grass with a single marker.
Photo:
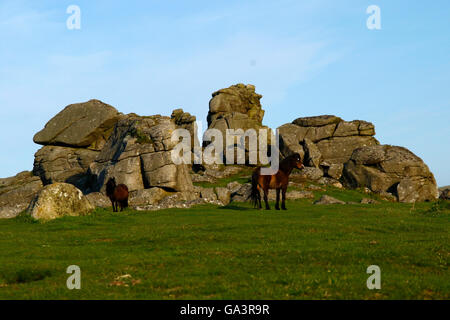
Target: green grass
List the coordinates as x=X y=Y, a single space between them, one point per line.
x=206 y=252
x=241 y=177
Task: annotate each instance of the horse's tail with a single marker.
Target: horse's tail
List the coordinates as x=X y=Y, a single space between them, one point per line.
x=254 y=195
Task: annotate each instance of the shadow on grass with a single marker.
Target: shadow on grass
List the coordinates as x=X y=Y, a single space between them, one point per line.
x=26 y=276
x=237 y=208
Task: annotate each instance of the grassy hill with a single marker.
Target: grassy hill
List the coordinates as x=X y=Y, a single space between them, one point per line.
x=235 y=252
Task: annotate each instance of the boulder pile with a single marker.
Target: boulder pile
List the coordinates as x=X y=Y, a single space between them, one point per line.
x=392 y=169
x=236 y=107
x=87 y=143
x=325 y=142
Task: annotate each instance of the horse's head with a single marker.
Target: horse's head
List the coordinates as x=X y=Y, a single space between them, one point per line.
x=111 y=182
x=297 y=161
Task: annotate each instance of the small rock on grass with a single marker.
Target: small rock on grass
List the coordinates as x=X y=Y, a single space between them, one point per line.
x=369 y=201
x=328 y=200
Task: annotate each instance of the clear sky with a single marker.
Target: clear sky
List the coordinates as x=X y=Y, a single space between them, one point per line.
x=305 y=57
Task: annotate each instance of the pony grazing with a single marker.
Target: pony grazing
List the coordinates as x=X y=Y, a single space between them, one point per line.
x=278 y=181
x=118 y=194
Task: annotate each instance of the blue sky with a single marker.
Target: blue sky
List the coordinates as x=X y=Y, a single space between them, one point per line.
x=305 y=57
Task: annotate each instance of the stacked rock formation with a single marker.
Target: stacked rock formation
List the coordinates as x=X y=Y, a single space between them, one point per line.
x=72 y=140
x=325 y=142
x=236 y=107
x=138 y=154
x=86 y=143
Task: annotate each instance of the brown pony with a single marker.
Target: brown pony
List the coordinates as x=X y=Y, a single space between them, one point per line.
x=278 y=181
x=118 y=194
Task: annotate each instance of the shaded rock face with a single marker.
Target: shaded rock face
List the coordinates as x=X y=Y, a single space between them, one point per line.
x=99 y=200
x=58 y=200
x=138 y=154
x=444 y=193
x=392 y=169
x=63 y=164
x=17 y=192
x=84 y=125
x=325 y=142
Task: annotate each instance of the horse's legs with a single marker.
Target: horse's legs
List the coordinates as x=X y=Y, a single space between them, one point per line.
x=277 y=205
x=283 y=193
x=259 y=200
x=258 y=197
x=266 y=200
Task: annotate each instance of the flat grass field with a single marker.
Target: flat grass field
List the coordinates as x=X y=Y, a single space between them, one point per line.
x=235 y=252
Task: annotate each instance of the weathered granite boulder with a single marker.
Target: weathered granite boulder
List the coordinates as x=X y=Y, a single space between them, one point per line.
x=327 y=142
x=17 y=192
x=385 y=168
x=223 y=195
x=147 y=196
x=308 y=173
x=85 y=125
x=99 y=200
x=138 y=154
x=242 y=194
x=58 y=200
x=238 y=100
x=64 y=164
x=208 y=194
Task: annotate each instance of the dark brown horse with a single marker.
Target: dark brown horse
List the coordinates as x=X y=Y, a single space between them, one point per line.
x=278 y=181
x=118 y=194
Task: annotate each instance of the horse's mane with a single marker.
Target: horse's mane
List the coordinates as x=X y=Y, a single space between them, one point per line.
x=287 y=164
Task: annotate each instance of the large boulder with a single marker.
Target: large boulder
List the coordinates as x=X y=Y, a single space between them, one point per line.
x=86 y=125
x=325 y=142
x=58 y=200
x=17 y=192
x=138 y=154
x=385 y=168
